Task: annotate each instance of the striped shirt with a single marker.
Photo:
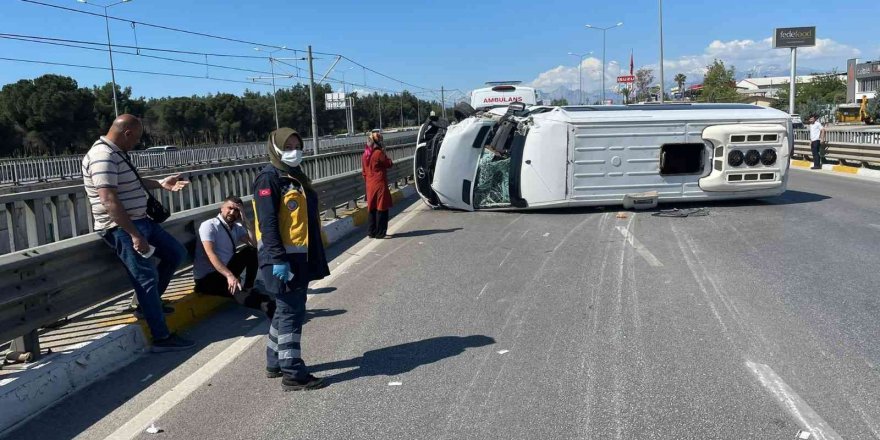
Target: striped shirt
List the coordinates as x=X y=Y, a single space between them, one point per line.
x=104 y=167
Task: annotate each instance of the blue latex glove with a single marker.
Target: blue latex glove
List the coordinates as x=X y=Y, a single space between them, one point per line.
x=282 y=272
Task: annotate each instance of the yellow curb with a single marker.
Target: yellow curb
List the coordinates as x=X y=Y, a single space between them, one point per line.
x=801 y=163
x=845 y=169
x=188 y=311
x=359 y=216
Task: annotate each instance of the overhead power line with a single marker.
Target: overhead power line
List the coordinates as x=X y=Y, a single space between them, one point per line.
x=219 y=37
x=145 y=72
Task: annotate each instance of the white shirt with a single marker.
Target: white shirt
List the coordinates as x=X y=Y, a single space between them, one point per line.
x=815 y=131
x=214 y=230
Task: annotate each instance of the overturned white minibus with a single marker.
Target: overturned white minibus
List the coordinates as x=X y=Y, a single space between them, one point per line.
x=549 y=157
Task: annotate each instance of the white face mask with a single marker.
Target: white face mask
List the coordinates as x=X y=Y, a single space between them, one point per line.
x=290 y=158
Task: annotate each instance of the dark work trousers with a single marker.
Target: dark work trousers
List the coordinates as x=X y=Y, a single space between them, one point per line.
x=816 y=147
x=378 y=223
x=244 y=260
x=283 y=349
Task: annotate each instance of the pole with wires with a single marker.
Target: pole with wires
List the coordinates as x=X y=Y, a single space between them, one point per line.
x=312 y=98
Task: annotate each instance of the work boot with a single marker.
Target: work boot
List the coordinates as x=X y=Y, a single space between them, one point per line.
x=310 y=382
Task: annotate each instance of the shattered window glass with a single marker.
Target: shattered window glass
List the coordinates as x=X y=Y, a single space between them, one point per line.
x=492 y=189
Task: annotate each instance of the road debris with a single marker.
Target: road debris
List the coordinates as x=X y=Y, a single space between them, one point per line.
x=153 y=429
x=675 y=212
x=395 y=384
x=503 y=351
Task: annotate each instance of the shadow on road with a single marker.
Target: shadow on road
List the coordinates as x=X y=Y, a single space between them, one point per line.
x=403 y=358
x=322 y=290
x=424 y=232
x=322 y=313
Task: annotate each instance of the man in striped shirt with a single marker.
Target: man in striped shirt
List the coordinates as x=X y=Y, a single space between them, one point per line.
x=119 y=204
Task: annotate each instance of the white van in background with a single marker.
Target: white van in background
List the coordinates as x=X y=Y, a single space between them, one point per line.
x=502 y=94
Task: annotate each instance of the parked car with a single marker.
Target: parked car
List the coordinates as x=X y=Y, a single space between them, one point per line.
x=160 y=149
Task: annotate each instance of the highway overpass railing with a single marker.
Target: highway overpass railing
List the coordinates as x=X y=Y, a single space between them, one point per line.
x=859 y=148
x=34 y=218
x=57 y=168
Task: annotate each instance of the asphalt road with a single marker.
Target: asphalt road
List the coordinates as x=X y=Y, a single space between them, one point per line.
x=753 y=322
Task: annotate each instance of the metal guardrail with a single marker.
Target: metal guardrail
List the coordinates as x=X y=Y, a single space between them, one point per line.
x=869 y=137
x=859 y=148
x=45 y=284
x=44 y=169
x=35 y=218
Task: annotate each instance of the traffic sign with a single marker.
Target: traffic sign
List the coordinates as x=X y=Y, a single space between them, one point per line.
x=626 y=79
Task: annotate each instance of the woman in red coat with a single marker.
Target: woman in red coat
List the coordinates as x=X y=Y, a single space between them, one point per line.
x=378 y=195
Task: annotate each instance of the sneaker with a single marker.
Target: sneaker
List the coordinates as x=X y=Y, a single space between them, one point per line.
x=309 y=383
x=273 y=373
x=172 y=343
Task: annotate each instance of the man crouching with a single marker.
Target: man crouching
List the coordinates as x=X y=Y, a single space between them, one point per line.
x=219 y=262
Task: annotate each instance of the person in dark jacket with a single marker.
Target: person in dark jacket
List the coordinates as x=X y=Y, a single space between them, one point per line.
x=378 y=195
x=291 y=254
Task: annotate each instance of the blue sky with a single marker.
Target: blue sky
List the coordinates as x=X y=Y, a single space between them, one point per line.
x=458 y=44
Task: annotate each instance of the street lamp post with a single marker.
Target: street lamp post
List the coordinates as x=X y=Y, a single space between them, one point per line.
x=272 y=69
x=604 y=30
x=109 y=46
x=580 y=75
x=662 y=86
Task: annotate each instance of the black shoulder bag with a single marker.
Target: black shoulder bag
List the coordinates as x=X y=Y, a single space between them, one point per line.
x=155 y=211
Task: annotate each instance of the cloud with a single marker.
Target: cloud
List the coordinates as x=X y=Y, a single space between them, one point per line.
x=746 y=55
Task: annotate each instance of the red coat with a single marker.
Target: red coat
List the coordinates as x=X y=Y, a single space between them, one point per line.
x=378 y=195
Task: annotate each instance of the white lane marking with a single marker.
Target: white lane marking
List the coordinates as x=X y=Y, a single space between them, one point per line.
x=505 y=258
x=483 y=291
x=182 y=390
x=637 y=245
x=874 y=226
x=524 y=234
x=797 y=407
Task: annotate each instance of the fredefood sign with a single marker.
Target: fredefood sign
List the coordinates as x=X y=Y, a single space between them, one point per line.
x=794 y=37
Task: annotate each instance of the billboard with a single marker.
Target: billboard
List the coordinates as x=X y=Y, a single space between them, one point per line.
x=794 y=37
x=868 y=70
x=334 y=101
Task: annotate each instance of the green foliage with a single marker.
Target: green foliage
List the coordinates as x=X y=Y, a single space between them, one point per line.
x=644 y=78
x=560 y=102
x=719 y=84
x=680 y=79
x=818 y=96
x=53 y=115
x=874 y=106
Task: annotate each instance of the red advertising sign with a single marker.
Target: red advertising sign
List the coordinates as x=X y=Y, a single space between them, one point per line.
x=626 y=79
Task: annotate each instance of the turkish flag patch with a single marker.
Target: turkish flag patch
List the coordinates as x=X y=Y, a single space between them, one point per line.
x=265 y=192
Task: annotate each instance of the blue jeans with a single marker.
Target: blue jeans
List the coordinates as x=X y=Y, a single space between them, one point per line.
x=149 y=280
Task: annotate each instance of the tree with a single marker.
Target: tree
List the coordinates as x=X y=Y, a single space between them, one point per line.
x=560 y=102
x=680 y=79
x=719 y=84
x=625 y=91
x=818 y=96
x=52 y=111
x=644 y=78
